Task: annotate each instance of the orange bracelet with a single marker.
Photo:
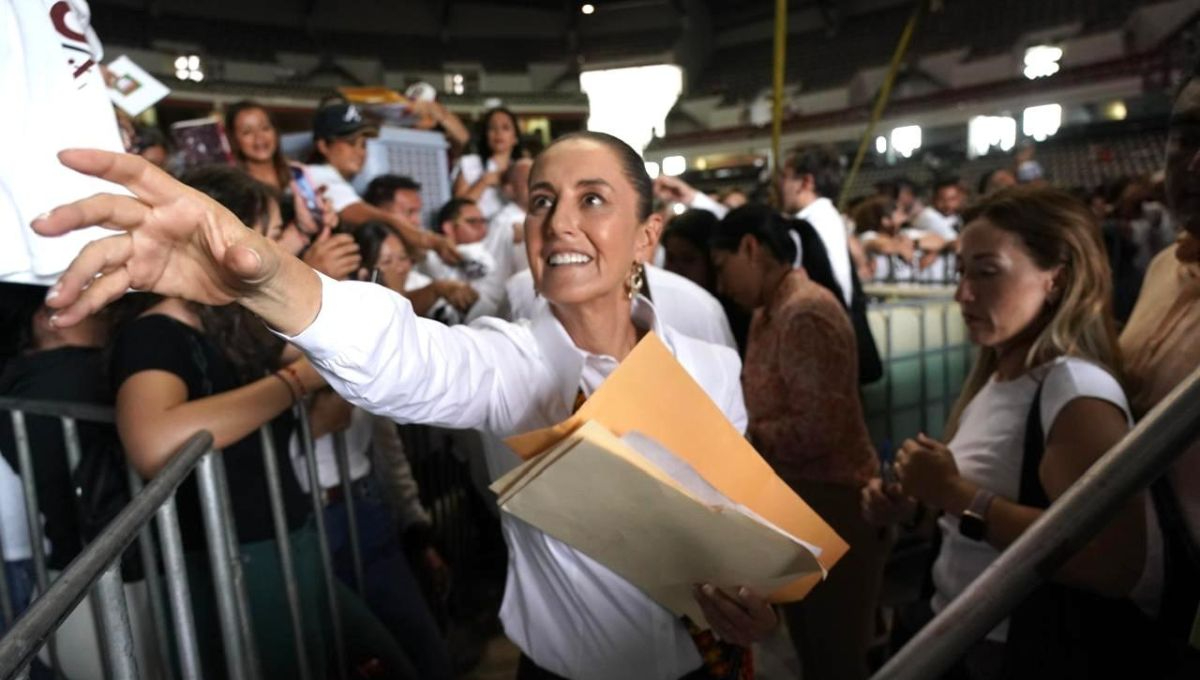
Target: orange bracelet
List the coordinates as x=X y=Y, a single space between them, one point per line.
x=296 y=376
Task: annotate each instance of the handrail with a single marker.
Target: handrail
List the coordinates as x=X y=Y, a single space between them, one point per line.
x=1133 y=464
x=48 y=611
x=59 y=409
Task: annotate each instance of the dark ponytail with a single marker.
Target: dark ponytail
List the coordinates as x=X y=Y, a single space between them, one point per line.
x=772 y=230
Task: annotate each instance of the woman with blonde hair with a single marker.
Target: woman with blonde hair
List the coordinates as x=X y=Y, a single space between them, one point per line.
x=1041 y=405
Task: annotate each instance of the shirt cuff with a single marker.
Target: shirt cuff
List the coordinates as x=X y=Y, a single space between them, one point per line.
x=703 y=201
x=346 y=308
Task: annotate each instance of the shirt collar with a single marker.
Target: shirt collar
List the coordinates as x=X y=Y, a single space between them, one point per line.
x=813 y=209
x=567 y=360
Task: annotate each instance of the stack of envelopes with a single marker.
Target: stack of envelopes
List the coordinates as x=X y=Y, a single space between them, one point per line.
x=650 y=479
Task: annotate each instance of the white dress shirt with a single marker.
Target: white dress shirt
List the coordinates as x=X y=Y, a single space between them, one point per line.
x=679 y=302
x=829 y=225
x=567 y=612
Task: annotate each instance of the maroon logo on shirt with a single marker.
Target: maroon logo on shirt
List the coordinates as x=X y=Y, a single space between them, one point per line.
x=79 y=53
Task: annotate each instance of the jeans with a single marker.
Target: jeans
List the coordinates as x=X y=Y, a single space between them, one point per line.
x=19 y=576
x=391 y=591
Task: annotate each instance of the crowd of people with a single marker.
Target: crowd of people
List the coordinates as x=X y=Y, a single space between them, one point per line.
x=271 y=282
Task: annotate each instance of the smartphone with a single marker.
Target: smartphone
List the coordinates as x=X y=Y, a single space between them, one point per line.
x=887 y=455
x=308 y=194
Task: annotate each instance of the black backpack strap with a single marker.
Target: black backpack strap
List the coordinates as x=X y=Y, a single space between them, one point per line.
x=1032 y=493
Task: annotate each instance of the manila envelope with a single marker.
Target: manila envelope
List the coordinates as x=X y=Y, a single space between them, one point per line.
x=602 y=497
x=651 y=393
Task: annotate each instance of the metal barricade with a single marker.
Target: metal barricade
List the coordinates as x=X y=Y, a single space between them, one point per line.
x=98 y=565
x=177 y=625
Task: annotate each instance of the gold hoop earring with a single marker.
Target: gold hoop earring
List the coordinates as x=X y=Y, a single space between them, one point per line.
x=637 y=278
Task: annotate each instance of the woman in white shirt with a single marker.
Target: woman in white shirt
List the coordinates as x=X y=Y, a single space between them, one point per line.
x=590 y=228
x=479 y=176
x=1034 y=292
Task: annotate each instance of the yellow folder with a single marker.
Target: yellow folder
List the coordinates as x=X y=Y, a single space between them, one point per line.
x=651 y=394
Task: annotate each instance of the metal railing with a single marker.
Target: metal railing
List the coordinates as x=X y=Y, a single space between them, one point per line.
x=97 y=568
x=98 y=564
x=1132 y=465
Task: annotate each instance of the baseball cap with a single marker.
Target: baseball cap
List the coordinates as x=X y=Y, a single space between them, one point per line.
x=340 y=120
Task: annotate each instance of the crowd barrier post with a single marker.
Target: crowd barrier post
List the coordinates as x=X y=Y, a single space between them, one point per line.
x=37 y=540
x=240 y=596
x=116 y=635
x=283 y=539
x=314 y=493
x=178 y=591
x=154 y=584
x=221 y=562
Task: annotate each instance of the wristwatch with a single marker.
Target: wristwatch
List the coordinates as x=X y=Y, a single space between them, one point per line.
x=973 y=522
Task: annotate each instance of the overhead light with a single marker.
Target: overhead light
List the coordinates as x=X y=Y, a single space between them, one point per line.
x=881 y=144
x=652 y=169
x=678 y=208
x=588 y=8
x=907 y=139
x=187 y=67
x=1116 y=110
x=987 y=132
x=1042 y=61
x=1042 y=121
x=674 y=165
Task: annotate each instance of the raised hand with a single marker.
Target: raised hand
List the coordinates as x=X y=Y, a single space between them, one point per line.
x=177 y=242
x=336 y=256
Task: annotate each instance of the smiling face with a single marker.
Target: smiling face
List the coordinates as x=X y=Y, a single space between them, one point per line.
x=255 y=135
x=345 y=154
x=1002 y=291
x=583 y=231
x=501 y=133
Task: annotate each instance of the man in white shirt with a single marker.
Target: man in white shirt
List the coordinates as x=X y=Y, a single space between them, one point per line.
x=812 y=177
x=339 y=152
x=935 y=230
x=398 y=195
x=464 y=226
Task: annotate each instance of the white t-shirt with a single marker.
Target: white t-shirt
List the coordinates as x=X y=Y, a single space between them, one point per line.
x=471 y=168
x=358 y=444
x=54 y=99
x=888 y=267
x=932 y=221
x=989 y=449
x=339 y=192
x=14 y=524
x=501 y=227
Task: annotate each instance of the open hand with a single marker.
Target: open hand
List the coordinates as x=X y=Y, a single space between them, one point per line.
x=175 y=241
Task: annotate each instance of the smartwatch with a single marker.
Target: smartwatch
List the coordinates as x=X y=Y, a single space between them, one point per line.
x=973 y=522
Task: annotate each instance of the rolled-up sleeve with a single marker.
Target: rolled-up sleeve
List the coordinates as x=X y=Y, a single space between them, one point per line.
x=378 y=354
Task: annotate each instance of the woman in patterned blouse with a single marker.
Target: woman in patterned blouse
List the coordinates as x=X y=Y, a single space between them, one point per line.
x=800 y=380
